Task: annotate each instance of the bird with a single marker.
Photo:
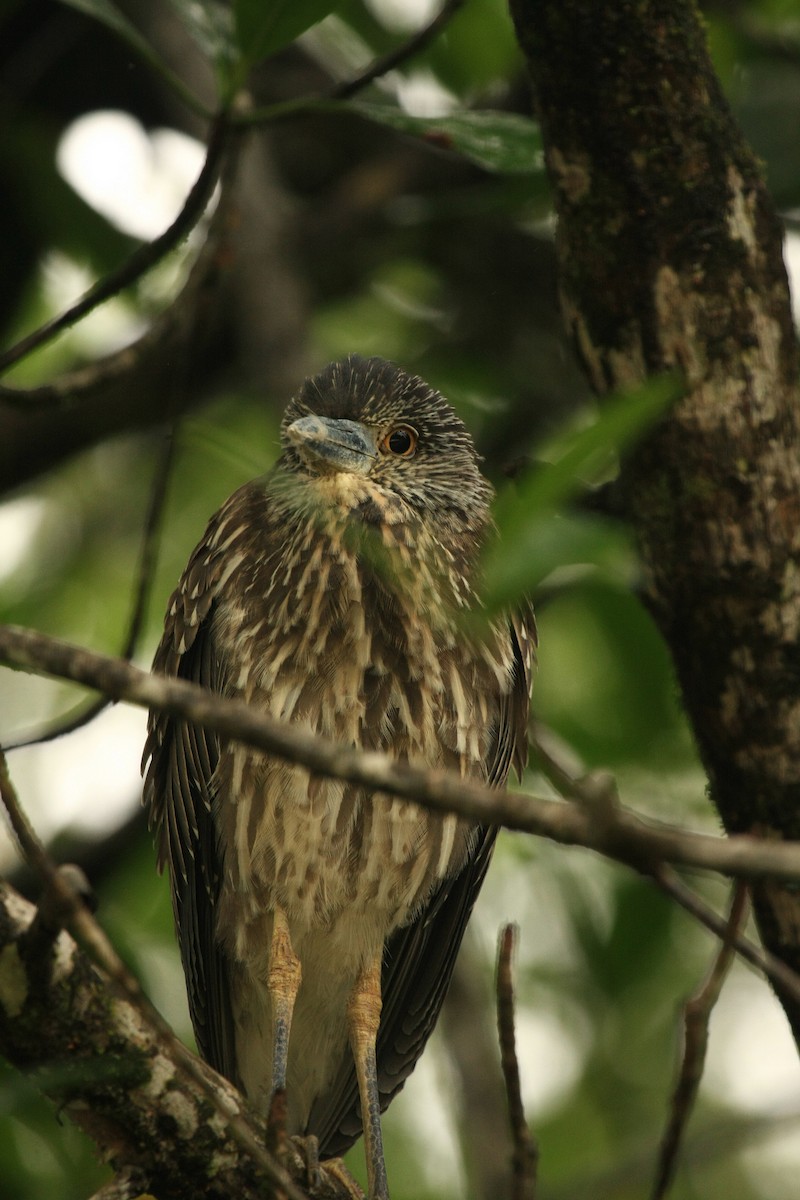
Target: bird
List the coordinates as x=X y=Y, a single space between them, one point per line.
x=318 y=922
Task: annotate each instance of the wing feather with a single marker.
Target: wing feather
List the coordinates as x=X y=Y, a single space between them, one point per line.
x=181 y=761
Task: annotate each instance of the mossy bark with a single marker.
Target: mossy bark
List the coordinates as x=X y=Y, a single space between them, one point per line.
x=671 y=257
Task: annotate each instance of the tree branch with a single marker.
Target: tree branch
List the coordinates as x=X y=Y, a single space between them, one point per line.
x=145 y=383
x=597 y=793
x=153 y=1108
x=140 y=262
x=608 y=828
x=696 y=1017
x=525 y=1155
x=400 y=54
x=119 y=1083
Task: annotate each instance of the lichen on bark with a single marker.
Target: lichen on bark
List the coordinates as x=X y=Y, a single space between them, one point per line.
x=96 y=1057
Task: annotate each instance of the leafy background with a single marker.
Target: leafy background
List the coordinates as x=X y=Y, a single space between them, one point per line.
x=372 y=234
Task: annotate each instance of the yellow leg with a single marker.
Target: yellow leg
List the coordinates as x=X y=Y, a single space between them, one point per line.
x=364 y=1014
x=283 y=981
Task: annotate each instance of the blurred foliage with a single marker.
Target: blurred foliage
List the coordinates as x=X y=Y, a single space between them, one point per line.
x=450 y=270
x=503 y=142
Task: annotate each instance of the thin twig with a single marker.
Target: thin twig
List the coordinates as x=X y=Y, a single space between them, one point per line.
x=86 y=931
x=149 y=549
x=74 y=719
x=140 y=261
x=696 y=1016
x=597 y=795
x=326 y=102
x=621 y=834
x=118 y=379
x=388 y=62
x=83 y=714
x=781 y=975
x=525 y=1154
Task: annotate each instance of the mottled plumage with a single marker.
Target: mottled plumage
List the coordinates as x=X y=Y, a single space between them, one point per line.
x=331 y=594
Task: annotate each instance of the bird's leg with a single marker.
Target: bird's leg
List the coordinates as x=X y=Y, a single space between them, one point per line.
x=363 y=1015
x=283 y=981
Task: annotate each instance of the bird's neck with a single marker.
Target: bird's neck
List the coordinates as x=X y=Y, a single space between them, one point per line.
x=407 y=555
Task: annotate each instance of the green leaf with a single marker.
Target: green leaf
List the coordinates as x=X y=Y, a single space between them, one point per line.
x=547 y=543
x=266 y=26
x=575 y=456
x=532 y=541
x=109 y=15
x=479 y=49
x=503 y=142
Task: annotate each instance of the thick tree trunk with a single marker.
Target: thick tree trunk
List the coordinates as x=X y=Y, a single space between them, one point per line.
x=670 y=256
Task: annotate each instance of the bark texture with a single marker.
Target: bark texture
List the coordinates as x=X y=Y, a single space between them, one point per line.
x=671 y=257
x=104 y=1066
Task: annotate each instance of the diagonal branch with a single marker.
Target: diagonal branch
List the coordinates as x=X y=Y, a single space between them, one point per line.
x=610 y=829
x=697 y=1013
x=400 y=54
x=138 y=385
x=140 y=261
x=117 y=1082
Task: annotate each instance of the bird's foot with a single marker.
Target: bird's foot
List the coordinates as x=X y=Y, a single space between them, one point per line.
x=306 y=1150
x=337 y=1172
x=330 y=1180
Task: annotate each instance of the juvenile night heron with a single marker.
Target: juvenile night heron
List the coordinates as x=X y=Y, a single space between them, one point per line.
x=319 y=924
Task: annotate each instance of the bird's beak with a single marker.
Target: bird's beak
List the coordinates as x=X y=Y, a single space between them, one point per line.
x=327 y=444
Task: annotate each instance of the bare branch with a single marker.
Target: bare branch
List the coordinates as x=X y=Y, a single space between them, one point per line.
x=597 y=793
x=525 y=1156
x=782 y=976
x=122 y=1087
x=621 y=834
x=697 y=1014
x=389 y=62
x=143 y=258
x=597 y=822
x=141 y=384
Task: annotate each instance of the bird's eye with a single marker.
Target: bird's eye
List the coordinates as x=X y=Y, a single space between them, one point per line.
x=401 y=441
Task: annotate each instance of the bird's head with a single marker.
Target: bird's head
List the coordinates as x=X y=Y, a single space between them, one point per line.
x=387 y=446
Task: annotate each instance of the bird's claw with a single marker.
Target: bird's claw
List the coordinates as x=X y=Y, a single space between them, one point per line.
x=330 y=1180
x=337 y=1172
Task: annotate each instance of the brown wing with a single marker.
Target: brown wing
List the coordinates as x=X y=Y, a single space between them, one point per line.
x=179 y=787
x=419 y=959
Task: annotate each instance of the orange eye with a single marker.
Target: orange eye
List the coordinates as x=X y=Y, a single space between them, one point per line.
x=401 y=441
